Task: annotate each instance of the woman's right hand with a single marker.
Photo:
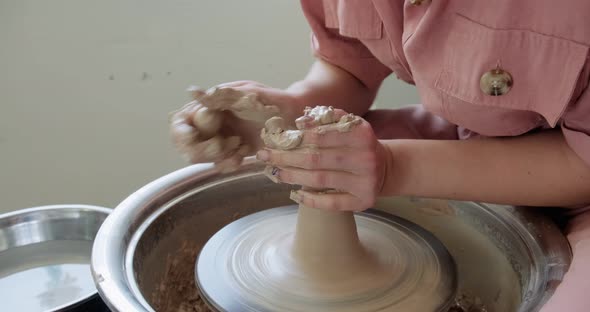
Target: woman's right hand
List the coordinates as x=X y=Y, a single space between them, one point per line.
x=223 y=124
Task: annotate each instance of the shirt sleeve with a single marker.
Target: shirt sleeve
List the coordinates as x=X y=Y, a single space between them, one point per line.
x=575 y=125
x=347 y=53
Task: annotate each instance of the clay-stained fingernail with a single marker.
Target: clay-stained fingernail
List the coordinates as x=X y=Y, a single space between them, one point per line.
x=296 y=196
x=263 y=155
x=272 y=173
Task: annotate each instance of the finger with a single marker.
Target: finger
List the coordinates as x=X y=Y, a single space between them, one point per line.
x=196 y=92
x=312 y=121
x=343 y=159
x=230 y=163
x=330 y=201
x=230 y=93
x=183 y=135
x=220 y=98
x=185 y=113
x=181 y=128
x=207 y=121
x=210 y=150
x=252 y=107
x=264 y=95
x=240 y=83
x=330 y=136
x=324 y=179
x=239 y=96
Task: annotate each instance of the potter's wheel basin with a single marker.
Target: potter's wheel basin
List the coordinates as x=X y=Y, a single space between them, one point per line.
x=253 y=262
x=508 y=258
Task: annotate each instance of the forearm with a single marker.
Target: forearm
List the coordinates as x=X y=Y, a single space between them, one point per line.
x=532 y=170
x=328 y=85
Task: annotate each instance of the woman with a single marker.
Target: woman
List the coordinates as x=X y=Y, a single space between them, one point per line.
x=505 y=116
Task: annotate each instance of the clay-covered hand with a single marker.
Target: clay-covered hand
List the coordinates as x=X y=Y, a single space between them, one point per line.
x=222 y=124
x=344 y=159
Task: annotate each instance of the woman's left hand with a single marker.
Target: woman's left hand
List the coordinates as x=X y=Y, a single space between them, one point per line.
x=353 y=163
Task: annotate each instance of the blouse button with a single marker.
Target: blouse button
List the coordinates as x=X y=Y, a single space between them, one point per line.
x=496 y=82
x=416 y=2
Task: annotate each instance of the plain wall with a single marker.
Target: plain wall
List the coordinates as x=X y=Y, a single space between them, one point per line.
x=86 y=86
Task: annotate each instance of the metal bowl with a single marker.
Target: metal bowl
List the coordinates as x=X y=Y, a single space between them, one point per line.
x=508 y=258
x=45 y=258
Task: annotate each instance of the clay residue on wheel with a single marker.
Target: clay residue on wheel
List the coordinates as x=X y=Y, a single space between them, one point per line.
x=175 y=292
x=468 y=303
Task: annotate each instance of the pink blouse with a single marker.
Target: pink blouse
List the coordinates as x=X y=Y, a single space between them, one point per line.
x=446 y=47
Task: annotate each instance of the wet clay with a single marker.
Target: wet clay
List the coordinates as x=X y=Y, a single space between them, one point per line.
x=321 y=118
x=275 y=136
x=320 y=260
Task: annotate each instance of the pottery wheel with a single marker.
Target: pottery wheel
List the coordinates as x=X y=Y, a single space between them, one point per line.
x=250 y=265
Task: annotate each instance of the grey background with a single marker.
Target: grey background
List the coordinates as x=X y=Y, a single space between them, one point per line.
x=86 y=86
